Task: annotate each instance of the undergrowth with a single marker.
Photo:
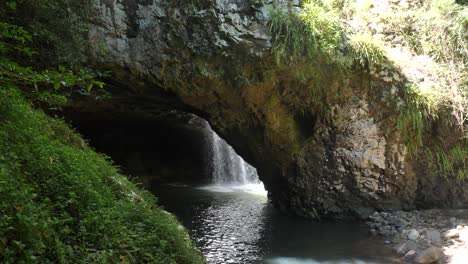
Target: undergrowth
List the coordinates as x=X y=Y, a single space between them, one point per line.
x=315 y=34
x=61 y=202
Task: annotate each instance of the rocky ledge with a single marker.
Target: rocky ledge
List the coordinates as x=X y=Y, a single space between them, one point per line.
x=429 y=236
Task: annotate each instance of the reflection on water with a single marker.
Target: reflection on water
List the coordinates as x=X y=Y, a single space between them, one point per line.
x=237 y=225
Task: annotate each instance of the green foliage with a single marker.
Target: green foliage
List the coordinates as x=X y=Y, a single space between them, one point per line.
x=60 y=28
x=13 y=48
x=367 y=49
x=312 y=33
x=419 y=110
x=443 y=30
x=410 y=120
x=60 y=202
x=451 y=162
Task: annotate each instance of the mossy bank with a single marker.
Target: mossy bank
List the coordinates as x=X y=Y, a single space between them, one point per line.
x=61 y=202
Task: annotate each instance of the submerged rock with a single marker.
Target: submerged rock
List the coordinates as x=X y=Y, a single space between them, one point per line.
x=434 y=236
x=413 y=234
x=404 y=248
x=429 y=255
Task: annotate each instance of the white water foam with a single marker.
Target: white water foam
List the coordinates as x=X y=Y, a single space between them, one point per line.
x=254 y=188
x=230 y=173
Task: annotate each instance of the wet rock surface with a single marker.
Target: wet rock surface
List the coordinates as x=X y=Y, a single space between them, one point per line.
x=429 y=236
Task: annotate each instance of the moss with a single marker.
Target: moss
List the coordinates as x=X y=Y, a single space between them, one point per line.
x=61 y=202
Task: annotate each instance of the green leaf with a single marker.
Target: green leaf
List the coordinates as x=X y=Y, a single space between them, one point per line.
x=11 y=5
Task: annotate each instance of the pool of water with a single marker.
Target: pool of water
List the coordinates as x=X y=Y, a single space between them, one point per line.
x=232 y=224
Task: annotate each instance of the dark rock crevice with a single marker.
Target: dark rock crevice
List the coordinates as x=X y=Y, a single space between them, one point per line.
x=171 y=147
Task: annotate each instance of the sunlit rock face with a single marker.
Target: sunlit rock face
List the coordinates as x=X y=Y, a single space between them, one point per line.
x=149 y=35
x=213 y=58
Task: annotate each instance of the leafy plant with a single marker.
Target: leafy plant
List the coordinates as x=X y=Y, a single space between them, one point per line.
x=61 y=202
x=410 y=122
x=13 y=48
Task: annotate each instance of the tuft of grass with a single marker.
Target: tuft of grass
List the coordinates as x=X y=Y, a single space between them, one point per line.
x=61 y=202
x=367 y=49
x=423 y=107
x=410 y=122
x=313 y=34
x=451 y=162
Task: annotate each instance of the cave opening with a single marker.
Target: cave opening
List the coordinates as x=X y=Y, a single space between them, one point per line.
x=173 y=147
x=218 y=196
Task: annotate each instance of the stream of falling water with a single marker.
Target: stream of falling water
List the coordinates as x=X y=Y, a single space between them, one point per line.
x=229 y=171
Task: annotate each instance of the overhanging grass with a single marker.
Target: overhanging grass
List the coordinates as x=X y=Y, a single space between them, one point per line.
x=61 y=202
x=314 y=35
x=366 y=49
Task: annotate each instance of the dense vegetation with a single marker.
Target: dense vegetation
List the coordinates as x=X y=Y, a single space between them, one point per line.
x=61 y=202
x=347 y=36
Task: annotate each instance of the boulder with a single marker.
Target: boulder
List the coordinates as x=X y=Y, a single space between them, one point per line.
x=413 y=234
x=429 y=255
x=405 y=247
x=452 y=233
x=410 y=255
x=434 y=236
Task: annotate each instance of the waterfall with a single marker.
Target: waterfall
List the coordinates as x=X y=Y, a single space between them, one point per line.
x=227 y=167
x=229 y=172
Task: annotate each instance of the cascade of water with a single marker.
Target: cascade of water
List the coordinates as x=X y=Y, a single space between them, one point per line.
x=227 y=167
